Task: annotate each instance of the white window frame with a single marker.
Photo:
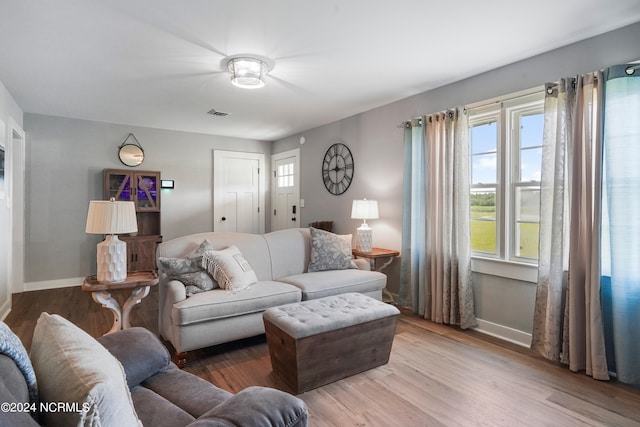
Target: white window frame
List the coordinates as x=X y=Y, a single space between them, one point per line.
x=479 y=118
x=505 y=262
x=529 y=106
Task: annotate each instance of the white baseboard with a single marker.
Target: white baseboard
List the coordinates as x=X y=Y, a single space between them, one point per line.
x=504 y=333
x=52 y=284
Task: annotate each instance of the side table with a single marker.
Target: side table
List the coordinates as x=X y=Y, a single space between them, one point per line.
x=140 y=282
x=386 y=255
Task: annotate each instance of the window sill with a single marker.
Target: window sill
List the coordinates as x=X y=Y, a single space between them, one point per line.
x=508 y=269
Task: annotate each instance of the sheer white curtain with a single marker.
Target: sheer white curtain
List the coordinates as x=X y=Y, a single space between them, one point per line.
x=436 y=262
x=567 y=323
x=621 y=223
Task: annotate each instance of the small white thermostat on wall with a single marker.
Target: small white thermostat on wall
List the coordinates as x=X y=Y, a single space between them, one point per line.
x=166 y=183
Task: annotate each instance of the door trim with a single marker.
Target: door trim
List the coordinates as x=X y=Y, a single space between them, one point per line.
x=15 y=201
x=274 y=158
x=218 y=156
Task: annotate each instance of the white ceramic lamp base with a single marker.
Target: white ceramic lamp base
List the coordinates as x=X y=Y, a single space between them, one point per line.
x=364 y=234
x=112 y=260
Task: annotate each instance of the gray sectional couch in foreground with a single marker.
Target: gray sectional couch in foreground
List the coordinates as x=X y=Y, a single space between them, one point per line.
x=70 y=379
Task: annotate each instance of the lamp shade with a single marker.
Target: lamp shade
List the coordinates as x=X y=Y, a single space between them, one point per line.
x=364 y=209
x=111 y=217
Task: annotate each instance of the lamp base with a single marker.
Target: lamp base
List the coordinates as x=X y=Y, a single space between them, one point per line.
x=112 y=260
x=364 y=235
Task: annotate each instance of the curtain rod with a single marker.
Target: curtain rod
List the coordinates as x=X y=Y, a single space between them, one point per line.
x=407 y=123
x=496 y=100
x=505 y=98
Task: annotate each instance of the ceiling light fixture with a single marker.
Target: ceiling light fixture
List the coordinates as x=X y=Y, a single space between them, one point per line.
x=248 y=72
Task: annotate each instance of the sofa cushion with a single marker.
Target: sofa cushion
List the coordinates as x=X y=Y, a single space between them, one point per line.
x=289 y=250
x=253 y=247
x=187 y=391
x=330 y=251
x=72 y=367
x=230 y=268
x=155 y=410
x=139 y=351
x=257 y=406
x=218 y=304
x=13 y=389
x=11 y=346
x=189 y=271
x=333 y=282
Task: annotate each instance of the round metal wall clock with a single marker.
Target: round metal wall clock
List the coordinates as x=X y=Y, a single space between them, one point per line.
x=337 y=169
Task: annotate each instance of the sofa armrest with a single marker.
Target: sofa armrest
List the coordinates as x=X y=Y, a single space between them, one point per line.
x=257 y=406
x=139 y=351
x=363 y=264
x=169 y=293
x=175 y=291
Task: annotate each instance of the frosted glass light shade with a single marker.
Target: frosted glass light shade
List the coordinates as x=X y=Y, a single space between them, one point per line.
x=111 y=218
x=247 y=73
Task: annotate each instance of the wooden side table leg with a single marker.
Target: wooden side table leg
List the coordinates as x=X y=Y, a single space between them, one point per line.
x=136 y=296
x=106 y=300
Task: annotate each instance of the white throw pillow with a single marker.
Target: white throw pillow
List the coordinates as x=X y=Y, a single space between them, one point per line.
x=75 y=370
x=229 y=268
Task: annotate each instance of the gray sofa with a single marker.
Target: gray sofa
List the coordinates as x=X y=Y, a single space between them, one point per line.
x=280 y=260
x=162 y=394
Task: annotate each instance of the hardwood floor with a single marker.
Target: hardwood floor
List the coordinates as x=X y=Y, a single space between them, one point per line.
x=436 y=376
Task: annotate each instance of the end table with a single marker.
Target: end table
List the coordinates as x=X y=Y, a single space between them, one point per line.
x=386 y=255
x=140 y=282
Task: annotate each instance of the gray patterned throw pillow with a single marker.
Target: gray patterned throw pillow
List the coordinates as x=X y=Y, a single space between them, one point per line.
x=189 y=271
x=330 y=251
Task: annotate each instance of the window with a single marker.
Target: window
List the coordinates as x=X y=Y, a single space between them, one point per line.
x=285 y=175
x=505 y=147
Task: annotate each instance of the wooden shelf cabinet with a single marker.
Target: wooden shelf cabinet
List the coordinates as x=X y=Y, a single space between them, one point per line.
x=141 y=252
x=142 y=188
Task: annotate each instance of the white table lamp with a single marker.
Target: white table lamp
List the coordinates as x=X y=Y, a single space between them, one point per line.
x=364 y=209
x=111 y=217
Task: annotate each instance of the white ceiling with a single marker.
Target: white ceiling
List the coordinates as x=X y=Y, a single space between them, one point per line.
x=157 y=63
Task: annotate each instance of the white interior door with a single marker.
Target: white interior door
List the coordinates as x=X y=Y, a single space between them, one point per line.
x=238 y=188
x=285 y=199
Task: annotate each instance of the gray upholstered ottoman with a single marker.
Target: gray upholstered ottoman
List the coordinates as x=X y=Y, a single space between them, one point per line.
x=316 y=342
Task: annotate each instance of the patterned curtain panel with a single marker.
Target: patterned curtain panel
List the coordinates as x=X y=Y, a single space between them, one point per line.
x=567 y=323
x=435 y=275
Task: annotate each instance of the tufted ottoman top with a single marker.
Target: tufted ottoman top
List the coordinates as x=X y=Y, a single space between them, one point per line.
x=307 y=318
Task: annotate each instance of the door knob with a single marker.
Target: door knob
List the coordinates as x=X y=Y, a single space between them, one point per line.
x=224 y=218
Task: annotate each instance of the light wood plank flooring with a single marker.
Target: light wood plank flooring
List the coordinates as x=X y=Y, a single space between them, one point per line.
x=436 y=376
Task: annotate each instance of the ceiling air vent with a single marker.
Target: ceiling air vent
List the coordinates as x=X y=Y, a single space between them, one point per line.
x=214 y=112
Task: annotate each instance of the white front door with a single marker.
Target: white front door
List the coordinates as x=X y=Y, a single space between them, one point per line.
x=238 y=187
x=285 y=190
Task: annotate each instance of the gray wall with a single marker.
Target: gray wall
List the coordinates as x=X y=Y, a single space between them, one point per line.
x=376 y=142
x=65 y=159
